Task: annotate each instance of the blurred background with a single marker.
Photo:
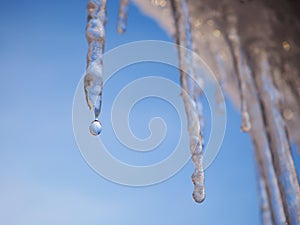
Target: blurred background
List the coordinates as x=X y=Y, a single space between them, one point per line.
x=45 y=180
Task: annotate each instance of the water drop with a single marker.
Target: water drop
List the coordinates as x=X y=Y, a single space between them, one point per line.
x=95 y=128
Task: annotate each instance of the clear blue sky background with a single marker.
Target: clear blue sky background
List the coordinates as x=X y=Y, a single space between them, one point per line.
x=44 y=179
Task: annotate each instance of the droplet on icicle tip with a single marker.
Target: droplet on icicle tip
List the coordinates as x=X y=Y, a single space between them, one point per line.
x=198 y=181
x=246 y=125
x=95 y=128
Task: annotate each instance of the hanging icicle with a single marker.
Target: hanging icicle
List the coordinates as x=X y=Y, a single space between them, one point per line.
x=190 y=94
x=93 y=81
x=123 y=16
x=238 y=63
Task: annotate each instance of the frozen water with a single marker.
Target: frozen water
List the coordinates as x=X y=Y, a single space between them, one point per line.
x=95 y=34
x=191 y=94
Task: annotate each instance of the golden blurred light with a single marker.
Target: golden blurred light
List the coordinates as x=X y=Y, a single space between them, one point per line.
x=198 y=23
x=161 y=3
x=210 y=22
x=217 y=33
x=288 y=114
x=286 y=45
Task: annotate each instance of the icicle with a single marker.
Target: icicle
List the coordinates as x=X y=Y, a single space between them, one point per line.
x=237 y=55
x=189 y=95
x=123 y=16
x=95 y=34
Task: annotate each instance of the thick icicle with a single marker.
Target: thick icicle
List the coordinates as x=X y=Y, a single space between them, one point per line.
x=123 y=16
x=95 y=34
x=189 y=95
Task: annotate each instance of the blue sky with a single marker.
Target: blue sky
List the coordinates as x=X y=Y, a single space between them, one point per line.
x=44 y=179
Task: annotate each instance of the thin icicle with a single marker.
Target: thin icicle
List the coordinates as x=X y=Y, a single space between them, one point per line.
x=183 y=38
x=123 y=16
x=239 y=65
x=196 y=93
x=95 y=34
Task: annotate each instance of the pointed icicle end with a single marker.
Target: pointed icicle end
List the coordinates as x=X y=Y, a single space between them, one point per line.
x=246 y=125
x=199 y=193
x=198 y=196
x=121 y=29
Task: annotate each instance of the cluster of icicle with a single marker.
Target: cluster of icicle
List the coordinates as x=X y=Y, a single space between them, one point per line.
x=93 y=82
x=253 y=48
